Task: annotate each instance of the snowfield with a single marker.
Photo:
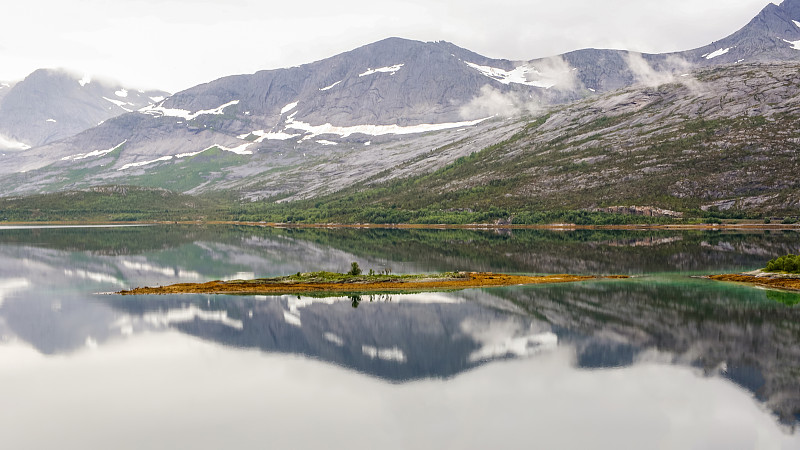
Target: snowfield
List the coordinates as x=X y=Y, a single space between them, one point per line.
x=719 y=52
x=520 y=75
x=391 y=70
x=160 y=111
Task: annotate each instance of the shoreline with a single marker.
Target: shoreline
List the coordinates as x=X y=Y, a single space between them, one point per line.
x=780 y=281
x=752 y=226
x=283 y=286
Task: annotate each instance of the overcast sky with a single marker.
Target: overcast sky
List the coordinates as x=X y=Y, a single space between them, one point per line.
x=176 y=44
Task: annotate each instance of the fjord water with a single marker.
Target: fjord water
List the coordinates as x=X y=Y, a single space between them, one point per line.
x=663 y=360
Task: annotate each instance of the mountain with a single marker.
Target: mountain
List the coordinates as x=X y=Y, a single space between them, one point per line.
x=399 y=108
x=49 y=105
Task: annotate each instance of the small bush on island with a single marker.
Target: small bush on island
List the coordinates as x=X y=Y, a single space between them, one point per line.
x=354 y=269
x=789 y=264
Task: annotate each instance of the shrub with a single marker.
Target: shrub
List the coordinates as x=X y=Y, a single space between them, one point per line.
x=789 y=263
x=354 y=269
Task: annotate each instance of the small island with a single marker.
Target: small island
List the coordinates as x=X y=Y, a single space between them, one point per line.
x=780 y=273
x=355 y=282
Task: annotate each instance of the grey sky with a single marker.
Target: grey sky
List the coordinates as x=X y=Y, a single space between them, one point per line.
x=176 y=44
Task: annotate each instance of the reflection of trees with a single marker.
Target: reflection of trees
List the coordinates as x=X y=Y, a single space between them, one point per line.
x=787 y=298
x=355 y=300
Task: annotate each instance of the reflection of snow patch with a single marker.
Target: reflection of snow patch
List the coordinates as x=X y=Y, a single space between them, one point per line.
x=386 y=354
x=166 y=271
x=336 y=340
x=85 y=80
x=93 y=276
x=10 y=285
x=91 y=342
x=121 y=93
x=292 y=319
x=506 y=338
x=324 y=142
x=190 y=314
x=51 y=120
x=157 y=99
x=391 y=70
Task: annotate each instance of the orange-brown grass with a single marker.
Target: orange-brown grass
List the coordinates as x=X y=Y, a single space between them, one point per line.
x=777 y=282
x=465 y=281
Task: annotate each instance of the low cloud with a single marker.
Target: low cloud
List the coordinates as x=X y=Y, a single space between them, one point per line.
x=673 y=69
x=557 y=72
x=493 y=102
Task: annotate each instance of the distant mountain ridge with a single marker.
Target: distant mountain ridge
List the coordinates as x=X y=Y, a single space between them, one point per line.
x=297 y=132
x=50 y=104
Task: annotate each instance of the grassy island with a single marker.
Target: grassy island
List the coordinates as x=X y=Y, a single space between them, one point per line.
x=780 y=273
x=352 y=282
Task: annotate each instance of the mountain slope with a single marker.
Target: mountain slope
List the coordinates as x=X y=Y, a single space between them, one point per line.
x=727 y=140
x=396 y=106
x=49 y=105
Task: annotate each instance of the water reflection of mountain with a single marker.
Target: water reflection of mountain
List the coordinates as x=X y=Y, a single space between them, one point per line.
x=397 y=338
x=46 y=287
x=735 y=332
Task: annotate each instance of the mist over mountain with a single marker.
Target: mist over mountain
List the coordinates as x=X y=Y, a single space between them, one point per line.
x=52 y=104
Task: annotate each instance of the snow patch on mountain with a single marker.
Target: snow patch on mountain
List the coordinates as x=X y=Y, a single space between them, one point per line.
x=795 y=44
x=85 y=80
x=119 y=103
x=158 y=99
x=160 y=111
x=240 y=150
x=324 y=142
x=520 y=75
x=93 y=153
x=51 y=120
x=289 y=107
x=264 y=135
x=121 y=93
x=391 y=70
x=331 y=86
x=719 y=52
x=145 y=163
x=374 y=130
x=796 y=23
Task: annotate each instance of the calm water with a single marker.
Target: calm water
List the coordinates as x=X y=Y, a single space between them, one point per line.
x=663 y=360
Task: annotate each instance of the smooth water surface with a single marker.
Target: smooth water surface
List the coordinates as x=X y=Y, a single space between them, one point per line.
x=663 y=360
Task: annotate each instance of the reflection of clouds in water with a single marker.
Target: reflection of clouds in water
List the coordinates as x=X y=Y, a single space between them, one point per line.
x=493 y=406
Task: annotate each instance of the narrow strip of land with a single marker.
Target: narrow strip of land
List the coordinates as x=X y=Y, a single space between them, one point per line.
x=768 y=280
x=322 y=282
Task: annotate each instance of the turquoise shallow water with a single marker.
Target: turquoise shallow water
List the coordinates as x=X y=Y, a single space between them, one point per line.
x=662 y=360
